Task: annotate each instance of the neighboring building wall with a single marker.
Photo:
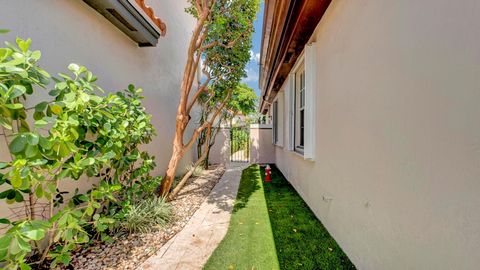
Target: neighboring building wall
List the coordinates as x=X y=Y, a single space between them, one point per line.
x=396 y=176
x=71 y=31
x=261 y=148
x=220 y=151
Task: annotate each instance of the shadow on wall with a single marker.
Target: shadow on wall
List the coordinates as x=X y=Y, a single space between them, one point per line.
x=220 y=152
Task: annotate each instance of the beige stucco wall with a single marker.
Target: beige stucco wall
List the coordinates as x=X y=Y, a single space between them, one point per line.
x=261 y=148
x=396 y=176
x=67 y=31
x=220 y=151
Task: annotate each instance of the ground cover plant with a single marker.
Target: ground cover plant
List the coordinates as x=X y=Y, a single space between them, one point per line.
x=301 y=241
x=272 y=228
x=249 y=242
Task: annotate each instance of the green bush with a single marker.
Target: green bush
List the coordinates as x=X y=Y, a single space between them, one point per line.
x=145 y=216
x=77 y=133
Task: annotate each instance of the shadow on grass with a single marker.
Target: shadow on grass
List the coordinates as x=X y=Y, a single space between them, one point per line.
x=301 y=241
x=249 y=186
x=249 y=242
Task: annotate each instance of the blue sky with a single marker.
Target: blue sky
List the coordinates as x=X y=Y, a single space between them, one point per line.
x=253 y=65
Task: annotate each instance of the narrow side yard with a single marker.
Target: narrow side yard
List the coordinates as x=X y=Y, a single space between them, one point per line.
x=273 y=228
x=249 y=241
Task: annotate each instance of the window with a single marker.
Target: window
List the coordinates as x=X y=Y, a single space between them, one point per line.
x=299 y=111
x=275 y=122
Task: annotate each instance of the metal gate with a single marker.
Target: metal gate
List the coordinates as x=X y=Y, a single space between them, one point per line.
x=240 y=144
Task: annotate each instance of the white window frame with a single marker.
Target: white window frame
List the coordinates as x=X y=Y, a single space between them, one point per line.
x=275 y=122
x=299 y=109
x=305 y=63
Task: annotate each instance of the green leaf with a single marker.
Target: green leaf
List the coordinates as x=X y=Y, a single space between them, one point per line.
x=23 y=244
x=3 y=254
x=86 y=162
x=18 y=195
x=40 y=123
x=56 y=109
x=3 y=165
x=4 y=221
x=24 y=266
x=17 y=245
x=40 y=107
x=18 y=144
x=45 y=143
x=73 y=67
x=35 y=234
x=31 y=151
x=24 y=127
x=32 y=138
x=5 y=241
x=36 y=55
x=89 y=210
x=4 y=53
x=39 y=191
x=15 y=106
x=23 y=44
x=4 y=31
x=16 y=91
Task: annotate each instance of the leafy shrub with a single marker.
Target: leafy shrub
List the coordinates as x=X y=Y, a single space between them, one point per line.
x=144 y=216
x=78 y=133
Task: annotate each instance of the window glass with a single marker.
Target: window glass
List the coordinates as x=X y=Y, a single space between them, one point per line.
x=300 y=109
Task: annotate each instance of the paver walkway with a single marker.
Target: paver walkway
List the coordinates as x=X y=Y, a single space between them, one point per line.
x=191 y=247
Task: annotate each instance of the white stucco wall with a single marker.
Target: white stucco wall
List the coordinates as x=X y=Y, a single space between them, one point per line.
x=261 y=148
x=220 y=151
x=67 y=31
x=396 y=176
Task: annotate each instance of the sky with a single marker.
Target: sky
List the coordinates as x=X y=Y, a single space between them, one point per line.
x=253 y=66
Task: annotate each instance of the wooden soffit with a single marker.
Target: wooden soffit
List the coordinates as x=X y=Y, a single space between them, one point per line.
x=287 y=27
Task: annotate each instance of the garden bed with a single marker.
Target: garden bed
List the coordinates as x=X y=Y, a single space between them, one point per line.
x=128 y=252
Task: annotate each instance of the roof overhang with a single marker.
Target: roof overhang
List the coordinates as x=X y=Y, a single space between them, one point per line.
x=287 y=27
x=133 y=17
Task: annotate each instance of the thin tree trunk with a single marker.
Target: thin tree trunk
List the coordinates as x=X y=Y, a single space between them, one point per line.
x=177 y=154
x=179 y=148
x=185 y=177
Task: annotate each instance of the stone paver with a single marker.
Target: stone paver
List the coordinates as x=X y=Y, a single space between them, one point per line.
x=191 y=247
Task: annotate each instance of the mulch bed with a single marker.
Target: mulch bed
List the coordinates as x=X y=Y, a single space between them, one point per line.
x=128 y=252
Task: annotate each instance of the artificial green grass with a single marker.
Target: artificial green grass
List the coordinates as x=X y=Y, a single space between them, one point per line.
x=300 y=238
x=249 y=242
x=273 y=228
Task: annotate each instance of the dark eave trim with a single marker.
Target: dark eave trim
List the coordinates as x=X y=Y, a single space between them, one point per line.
x=290 y=37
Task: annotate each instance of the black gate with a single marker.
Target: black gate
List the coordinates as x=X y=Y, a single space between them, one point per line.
x=240 y=144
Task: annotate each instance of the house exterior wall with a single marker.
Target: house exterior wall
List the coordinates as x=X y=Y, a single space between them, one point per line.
x=71 y=31
x=396 y=173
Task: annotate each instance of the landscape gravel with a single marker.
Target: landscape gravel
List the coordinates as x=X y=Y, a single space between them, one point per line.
x=128 y=252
